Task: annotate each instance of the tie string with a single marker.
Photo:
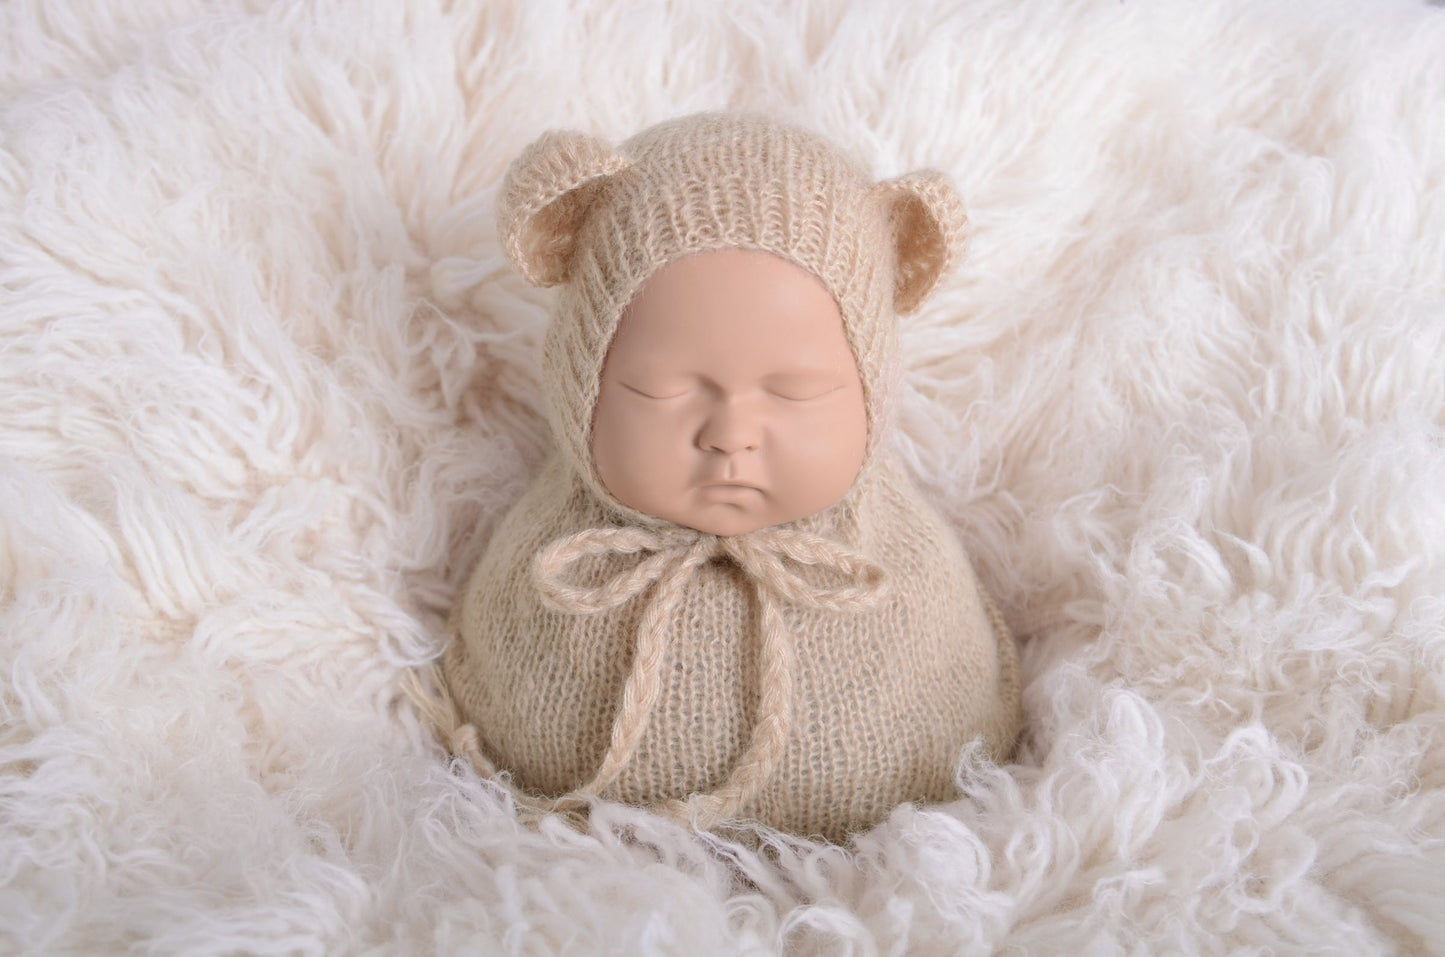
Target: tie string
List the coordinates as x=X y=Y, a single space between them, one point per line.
x=770 y=559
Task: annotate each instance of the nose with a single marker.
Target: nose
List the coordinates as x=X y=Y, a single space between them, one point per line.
x=730 y=427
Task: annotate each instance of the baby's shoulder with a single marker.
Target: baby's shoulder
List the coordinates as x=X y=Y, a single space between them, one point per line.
x=908 y=533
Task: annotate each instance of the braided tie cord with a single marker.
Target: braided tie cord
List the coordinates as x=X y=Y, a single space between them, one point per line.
x=671 y=555
x=666 y=559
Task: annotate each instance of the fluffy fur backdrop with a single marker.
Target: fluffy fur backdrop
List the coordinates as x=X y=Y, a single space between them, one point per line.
x=267 y=384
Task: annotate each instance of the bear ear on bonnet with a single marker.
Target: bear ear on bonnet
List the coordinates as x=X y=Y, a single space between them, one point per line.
x=928 y=219
x=549 y=188
x=545 y=197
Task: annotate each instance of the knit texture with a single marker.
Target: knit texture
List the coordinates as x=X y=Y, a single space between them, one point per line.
x=601 y=222
x=811 y=676
x=882 y=698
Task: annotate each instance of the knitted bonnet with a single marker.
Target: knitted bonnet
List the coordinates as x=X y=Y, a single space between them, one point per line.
x=600 y=221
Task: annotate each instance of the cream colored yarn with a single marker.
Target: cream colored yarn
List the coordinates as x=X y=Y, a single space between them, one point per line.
x=811 y=675
x=707 y=182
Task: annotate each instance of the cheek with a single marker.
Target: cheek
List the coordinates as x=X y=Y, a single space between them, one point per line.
x=633 y=444
x=831 y=437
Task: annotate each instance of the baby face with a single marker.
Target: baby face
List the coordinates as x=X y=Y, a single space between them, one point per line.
x=730 y=400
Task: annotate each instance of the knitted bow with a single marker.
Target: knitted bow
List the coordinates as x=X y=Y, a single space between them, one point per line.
x=769 y=558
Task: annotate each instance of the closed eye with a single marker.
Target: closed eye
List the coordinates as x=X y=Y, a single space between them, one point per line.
x=655 y=393
x=804 y=395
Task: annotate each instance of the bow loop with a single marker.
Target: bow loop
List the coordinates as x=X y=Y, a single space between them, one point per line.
x=556 y=561
x=783 y=566
x=856 y=582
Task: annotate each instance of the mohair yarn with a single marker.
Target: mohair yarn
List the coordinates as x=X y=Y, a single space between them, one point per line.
x=812 y=675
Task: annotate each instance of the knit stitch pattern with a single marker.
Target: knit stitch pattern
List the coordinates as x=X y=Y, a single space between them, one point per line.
x=811 y=676
x=883 y=699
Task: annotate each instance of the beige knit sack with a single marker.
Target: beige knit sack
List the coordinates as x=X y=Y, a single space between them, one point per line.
x=812 y=675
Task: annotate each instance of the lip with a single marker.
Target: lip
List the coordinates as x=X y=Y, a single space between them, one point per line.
x=728 y=484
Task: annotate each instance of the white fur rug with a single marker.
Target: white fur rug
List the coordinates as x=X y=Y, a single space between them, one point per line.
x=267 y=384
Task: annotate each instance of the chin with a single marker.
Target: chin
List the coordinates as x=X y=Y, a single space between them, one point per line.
x=727 y=529
x=727 y=525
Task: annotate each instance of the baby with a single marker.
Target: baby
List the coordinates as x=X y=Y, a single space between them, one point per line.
x=720 y=598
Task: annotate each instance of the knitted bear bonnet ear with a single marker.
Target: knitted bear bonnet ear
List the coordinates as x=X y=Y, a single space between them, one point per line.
x=599 y=221
x=546 y=195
